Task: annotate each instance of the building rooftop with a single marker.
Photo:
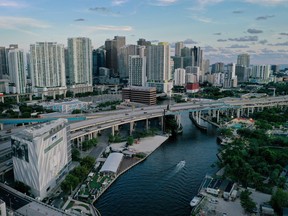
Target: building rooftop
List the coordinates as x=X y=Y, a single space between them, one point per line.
x=40 y=129
x=112 y=163
x=140 y=88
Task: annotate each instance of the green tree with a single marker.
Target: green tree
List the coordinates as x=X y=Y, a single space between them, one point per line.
x=279 y=200
x=246 y=201
x=130 y=140
x=75 y=154
x=87 y=162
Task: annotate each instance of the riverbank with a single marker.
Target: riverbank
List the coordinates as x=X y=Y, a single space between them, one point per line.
x=144 y=146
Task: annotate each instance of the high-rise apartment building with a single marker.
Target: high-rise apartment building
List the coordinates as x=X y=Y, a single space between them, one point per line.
x=260 y=73
x=244 y=60
x=80 y=61
x=143 y=42
x=3 y=63
x=178 y=47
x=112 y=48
x=230 y=80
x=123 y=57
x=241 y=73
x=17 y=75
x=180 y=77
x=218 y=67
x=137 y=70
x=47 y=65
x=158 y=63
x=41 y=155
x=99 y=60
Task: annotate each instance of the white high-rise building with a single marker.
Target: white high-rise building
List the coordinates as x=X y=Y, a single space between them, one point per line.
x=41 y=155
x=179 y=77
x=47 y=65
x=80 y=61
x=230 y=80
x=178 y=47
x=158 y=63
x=17 y=74
x=137 y=70
x=191 y=78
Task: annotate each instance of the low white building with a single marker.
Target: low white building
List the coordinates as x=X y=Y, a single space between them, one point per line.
x=41 y=155
x=66 y=106
x=112 y=163
x=2 y=208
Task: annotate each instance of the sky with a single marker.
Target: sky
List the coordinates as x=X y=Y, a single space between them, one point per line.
x=223 y=28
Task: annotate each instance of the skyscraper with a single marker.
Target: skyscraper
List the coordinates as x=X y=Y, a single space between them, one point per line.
x=3 y=63
x=178 y=47
x=180 y=77
x=112 y=48
x=137 y=70
x=123 y=57
x=99 y=60
x=158 y=62
x=47 y=65
x=80 y=61
x=244 y=60
x=17 y=70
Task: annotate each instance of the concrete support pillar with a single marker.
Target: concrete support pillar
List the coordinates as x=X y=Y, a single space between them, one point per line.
x=2 y=99
x=1 y=126
x=218 y=112
x=116 y=127
x=214 y=113
x=238 y=113
x=17 y=98
x=54 y=95
x=147 y=124
x=43 y=96
x=65 y=93
x=252 y=110
x=30 y=97
x=113 y=131
x=162 y=123
x=131 y=128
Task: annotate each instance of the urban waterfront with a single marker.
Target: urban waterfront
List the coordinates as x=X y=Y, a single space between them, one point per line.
x=167 y=180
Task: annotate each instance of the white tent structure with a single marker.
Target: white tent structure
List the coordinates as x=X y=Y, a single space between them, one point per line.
x=112 y=163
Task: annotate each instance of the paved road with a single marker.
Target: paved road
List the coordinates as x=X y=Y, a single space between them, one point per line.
x=12 y=200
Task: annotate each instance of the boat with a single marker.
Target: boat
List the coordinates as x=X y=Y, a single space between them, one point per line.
x=195 y=201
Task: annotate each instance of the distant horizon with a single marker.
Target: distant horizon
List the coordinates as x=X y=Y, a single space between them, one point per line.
x=223 y=28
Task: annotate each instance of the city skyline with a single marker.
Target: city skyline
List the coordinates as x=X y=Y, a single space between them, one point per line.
x=222 y=28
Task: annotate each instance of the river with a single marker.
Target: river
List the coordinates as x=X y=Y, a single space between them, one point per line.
x=162 y=184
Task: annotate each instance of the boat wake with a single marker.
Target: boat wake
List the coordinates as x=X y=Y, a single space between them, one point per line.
x=177 y=169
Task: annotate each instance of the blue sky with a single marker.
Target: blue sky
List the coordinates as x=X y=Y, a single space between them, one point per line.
x=223 y=28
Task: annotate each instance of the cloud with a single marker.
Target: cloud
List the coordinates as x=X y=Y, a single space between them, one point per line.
x=265 y=17
x=209 y=49
x=8 y=3
x=221 y=40
x=79 y=20
x=189 y=41
x=202 y=4
x=254 y=31
x=244 y=39
x=238 y=46
x=281 y=44
x=119 y=2
x=263 y=42
x=7 y=22
x=104 y=11
x=217 y=33
x=238 y=12
x=202 y=19
x=283 y=33
x=106 y=28
x=267 y=2
x=163 y=2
